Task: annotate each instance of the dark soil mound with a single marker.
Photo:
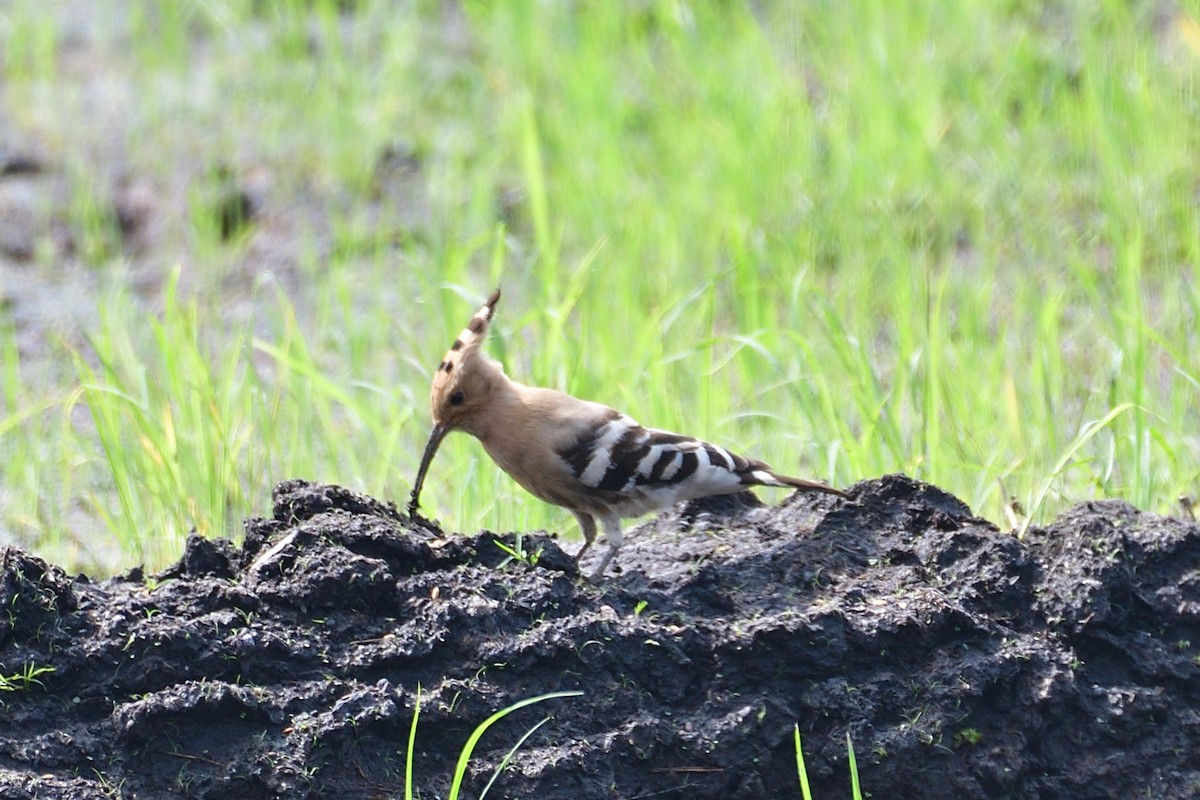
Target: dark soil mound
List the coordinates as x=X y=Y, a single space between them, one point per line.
x=961 y=662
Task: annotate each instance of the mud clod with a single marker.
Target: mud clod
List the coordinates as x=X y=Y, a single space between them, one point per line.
x=962 y=662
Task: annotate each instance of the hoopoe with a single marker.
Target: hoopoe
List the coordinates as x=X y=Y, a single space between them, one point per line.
x=586 y=457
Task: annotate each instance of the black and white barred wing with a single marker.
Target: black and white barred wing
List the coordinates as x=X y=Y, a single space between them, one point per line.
x=622 y=457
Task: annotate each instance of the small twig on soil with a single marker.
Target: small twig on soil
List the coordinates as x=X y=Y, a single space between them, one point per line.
x=189 y=757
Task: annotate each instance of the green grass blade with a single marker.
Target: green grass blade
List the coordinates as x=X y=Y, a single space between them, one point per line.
x=855 y=790
x=412 y=742
x=801 y=769
x=464 y=757
x=508 y=756
x=1089 y=431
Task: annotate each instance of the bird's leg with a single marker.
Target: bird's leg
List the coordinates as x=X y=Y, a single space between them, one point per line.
x=614 y=537
x=587 y=526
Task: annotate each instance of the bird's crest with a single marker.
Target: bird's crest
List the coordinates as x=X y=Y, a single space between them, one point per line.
x=467 y=345
x=463 y=353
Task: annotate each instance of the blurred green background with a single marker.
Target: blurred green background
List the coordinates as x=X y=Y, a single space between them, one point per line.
x=952 y=239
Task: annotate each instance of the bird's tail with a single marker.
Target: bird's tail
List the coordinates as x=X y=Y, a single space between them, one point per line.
x=768 y=478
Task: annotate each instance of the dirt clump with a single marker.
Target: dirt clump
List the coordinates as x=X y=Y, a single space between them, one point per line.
x=960 y=661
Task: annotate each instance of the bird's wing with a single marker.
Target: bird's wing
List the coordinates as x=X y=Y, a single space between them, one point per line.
x=620 y=456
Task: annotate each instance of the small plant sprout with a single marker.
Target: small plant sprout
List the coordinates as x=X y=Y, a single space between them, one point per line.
x=517 y=551
x=968 y=736
x=25 y=679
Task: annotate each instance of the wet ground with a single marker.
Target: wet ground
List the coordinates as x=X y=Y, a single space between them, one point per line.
x=961 y=662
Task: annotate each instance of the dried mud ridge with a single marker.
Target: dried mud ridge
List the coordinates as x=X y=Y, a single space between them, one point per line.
x=962 y=662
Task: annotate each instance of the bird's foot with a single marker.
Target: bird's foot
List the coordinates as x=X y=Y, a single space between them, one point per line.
x=598 y=574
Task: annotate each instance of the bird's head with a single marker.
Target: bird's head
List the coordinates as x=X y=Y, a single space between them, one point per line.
x=461 y=386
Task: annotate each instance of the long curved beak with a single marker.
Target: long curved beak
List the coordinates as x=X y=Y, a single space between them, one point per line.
x=435 y=439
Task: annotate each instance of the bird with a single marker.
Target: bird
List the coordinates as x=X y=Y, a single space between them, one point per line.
x=586 y=457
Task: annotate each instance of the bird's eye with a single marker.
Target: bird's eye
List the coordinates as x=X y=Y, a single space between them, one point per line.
x=457 y=398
